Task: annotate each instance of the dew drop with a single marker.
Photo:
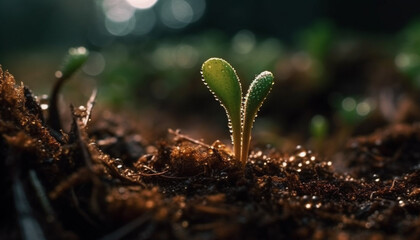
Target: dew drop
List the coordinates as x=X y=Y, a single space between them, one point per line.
x=44 y=106
x=302 y=154
x=58 y=74
x=184 y=224
x=401 y=203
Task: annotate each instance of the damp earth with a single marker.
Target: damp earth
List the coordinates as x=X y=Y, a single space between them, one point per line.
x=103 y=180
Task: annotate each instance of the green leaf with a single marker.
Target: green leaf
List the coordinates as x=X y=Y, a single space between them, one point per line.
x=221 y=79
x=255 y=97
x=72 y=62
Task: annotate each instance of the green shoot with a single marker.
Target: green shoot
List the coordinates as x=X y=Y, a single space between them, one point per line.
x=75 y=58
x=222 y=81
x=318 y=128
x=72 y=62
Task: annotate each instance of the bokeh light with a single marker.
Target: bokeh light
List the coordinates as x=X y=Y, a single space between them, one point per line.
x=176 y=13
x=95 y=64
x=145 y=22
x=142 y=4
x=117 y=10
x=120 y=28
x=139 y=18
x=348 y=104
x=243 y=42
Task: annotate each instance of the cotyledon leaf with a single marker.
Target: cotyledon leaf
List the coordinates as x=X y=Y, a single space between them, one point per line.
x=255 y=97
x=73 y=61
x=221 y=79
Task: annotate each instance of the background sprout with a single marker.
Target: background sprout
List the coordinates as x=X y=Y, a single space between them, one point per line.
x=222 y=81
x=75 y=58
x=318 y=128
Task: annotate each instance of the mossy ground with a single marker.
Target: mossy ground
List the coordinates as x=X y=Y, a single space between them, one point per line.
x=103 y=180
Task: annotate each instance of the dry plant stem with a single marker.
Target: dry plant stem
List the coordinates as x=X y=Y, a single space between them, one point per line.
x=82 y=213
x=29 y=225
x=90 y=104
x=86 y=156
x=181 y=136
x=128 y=228
x=184 y=137
x=42 y=195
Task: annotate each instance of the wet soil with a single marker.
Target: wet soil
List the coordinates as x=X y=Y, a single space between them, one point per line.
x=102 y=180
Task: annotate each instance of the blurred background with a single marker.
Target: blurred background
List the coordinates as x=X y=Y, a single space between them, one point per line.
x=342 y=68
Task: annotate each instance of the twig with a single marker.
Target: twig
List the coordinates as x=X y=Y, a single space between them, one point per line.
x=184 y=137
x=178 y=134
x=128 y=228
x=89 y=106
x=82 y=146
x=30 y=227
x=28 y=224
x=80 y=210
x=42 y=196
x=393 y=184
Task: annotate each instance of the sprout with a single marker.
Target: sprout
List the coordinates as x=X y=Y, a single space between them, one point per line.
x=75 y=58
x=221 y=79
x=318 y=127
x=72 y=62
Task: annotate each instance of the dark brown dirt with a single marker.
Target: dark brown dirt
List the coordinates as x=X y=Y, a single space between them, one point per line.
x=102 y=180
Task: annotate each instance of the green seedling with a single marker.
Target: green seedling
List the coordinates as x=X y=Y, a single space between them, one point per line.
x=75 y=58
x=223 y=82
x=318 y=127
